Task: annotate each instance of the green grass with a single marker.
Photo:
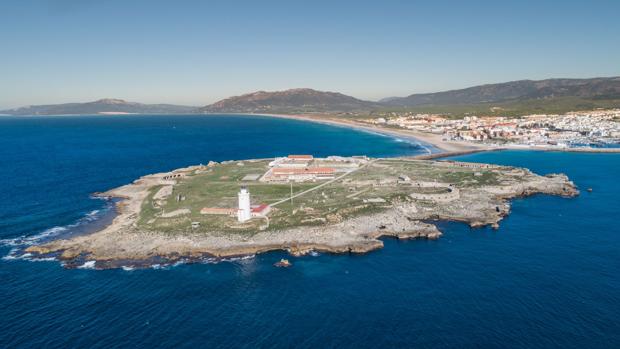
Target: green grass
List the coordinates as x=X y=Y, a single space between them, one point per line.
x=148 y=211
x=218 y=187
x=558 y=105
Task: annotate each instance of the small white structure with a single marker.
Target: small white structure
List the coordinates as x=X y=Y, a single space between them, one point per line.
x=251 y=177
x=245 y=213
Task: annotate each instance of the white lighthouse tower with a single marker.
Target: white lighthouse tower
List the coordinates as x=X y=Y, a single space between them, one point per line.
x=244 y=214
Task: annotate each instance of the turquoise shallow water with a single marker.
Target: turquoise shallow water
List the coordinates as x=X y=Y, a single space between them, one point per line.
x=549 y=277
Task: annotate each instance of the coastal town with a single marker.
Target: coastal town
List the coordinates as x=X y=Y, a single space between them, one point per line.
x=597 y=128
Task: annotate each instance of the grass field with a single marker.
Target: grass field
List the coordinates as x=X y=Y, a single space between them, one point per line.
x=370 y=189
x=559 y=105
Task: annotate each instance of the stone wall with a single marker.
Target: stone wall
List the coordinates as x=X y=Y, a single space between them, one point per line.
x=452 y=194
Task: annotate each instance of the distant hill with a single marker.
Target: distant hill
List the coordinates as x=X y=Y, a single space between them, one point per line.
x=514 y=91
x=100 y=106
x=509 y=98
x=289 y=101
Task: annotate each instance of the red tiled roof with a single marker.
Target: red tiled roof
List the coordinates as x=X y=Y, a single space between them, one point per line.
x=259 y=208
x=308 y=170
x=301 y=157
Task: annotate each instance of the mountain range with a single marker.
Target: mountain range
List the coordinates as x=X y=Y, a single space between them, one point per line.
x=521 y=96
x=108 y=105
x=295 y=100
x=598 y=88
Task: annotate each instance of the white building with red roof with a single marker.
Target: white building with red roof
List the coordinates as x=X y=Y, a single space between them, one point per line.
x=261 y=210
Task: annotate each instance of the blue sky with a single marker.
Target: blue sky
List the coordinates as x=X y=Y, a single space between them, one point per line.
x=196 y=52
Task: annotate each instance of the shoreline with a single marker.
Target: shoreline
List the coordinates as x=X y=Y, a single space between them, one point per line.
x=123 y=242
x=435 y=141
x=132 y=196
x=449 y=148
x=110 y=242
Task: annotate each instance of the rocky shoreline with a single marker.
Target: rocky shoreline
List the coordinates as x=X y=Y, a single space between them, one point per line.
x=124 y=243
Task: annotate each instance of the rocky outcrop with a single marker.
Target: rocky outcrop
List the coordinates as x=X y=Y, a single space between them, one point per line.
x=409 y=218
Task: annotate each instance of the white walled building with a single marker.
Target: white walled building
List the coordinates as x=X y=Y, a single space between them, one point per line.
x=245 y=212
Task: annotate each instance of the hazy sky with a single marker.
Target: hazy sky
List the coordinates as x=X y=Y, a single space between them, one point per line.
x=196 y=52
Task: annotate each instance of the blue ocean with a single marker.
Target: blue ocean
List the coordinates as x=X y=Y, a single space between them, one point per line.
x=549 y=277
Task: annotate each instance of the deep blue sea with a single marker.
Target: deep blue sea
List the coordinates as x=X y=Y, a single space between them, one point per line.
x=549 y=277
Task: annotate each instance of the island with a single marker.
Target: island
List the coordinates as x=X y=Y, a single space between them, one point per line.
x=296 y=203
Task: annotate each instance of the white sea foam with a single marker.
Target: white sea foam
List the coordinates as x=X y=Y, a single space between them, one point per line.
x=127 y=268
x=414 y=142
x=25 y=240
x=209 y=261
x=29 y=240
x=180 y=262
x=375 y=133
x=238 y=259
x=88 y=265
x=11 y=255
x=428 y=150
x=46 y=259
x=212 y=260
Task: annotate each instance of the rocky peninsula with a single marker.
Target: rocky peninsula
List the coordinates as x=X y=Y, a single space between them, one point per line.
x=191 y=213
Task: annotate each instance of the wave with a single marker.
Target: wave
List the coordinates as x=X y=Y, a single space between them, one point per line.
x=54 y=232
x=375 y=133
x=416 y=143
x=428 y=150
x=241 y=258
x=412 y=141
x=14 y=254
x=179 y=262
x=87 y=265
x=204 y=260
x=26 y=240
x=20 y=243
x=11 y=255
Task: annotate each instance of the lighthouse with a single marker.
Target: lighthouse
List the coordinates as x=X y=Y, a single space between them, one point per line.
x=244 y=214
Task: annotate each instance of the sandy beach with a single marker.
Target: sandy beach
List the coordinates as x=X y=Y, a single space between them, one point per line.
x=434 y=140
x=122 y=241
x=439 y=146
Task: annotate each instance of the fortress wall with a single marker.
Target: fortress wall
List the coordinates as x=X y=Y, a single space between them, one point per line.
x=468 y=164
x=454 y=193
